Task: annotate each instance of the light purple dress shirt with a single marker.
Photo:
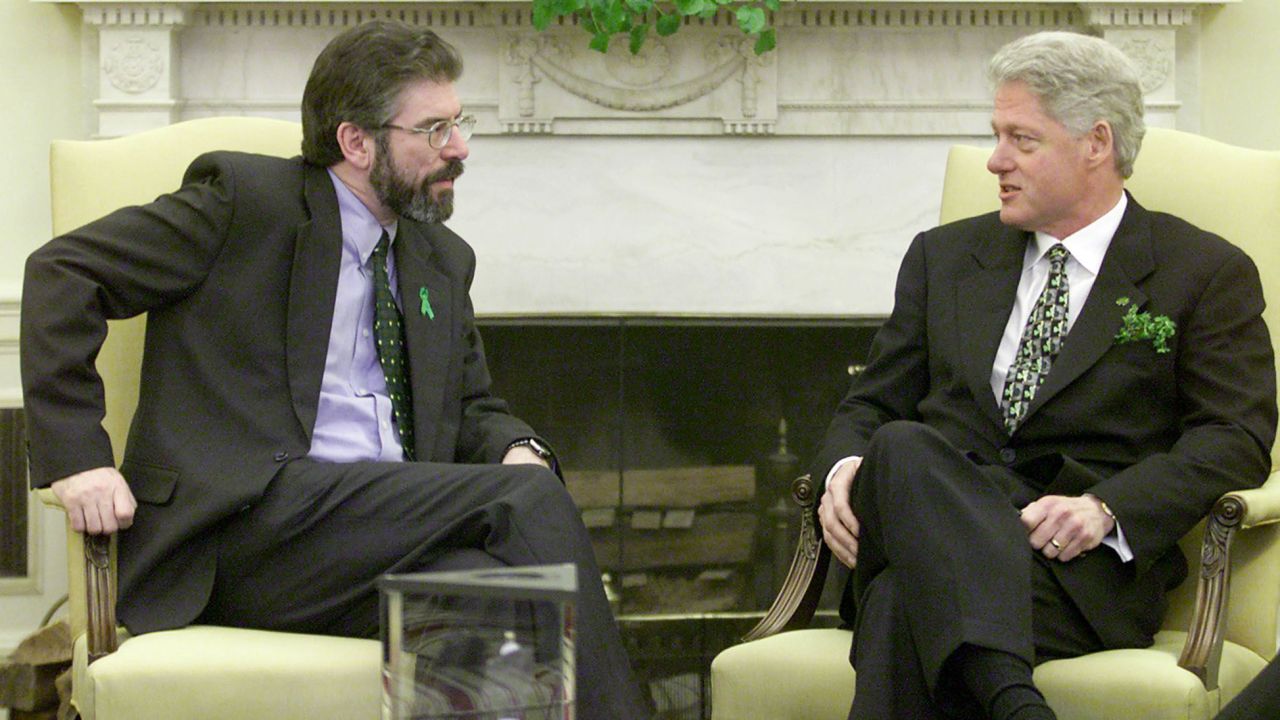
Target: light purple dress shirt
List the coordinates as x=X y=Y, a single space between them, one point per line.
x=353 y=420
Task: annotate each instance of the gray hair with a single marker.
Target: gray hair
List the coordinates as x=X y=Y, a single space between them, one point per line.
x=1080 y=80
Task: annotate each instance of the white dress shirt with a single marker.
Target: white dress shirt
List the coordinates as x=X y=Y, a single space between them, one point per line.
x=1087 y=246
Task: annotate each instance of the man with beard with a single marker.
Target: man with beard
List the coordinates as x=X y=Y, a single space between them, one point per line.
x=315 y=407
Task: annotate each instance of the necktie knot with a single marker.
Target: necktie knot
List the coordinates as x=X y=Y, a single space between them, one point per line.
x=1057 y=255
x=380 y=250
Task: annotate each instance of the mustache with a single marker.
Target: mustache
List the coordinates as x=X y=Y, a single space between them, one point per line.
x=449 y=172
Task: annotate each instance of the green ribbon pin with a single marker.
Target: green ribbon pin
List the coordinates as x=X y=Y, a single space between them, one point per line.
x=426 y=304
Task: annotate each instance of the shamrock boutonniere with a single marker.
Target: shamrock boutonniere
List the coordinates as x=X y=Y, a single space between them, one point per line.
x=1142 y=326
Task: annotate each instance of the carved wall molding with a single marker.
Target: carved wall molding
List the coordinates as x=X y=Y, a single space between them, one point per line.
x=513 y=14
x=134 y=14
x=1135 y=15
x=974 y=15
x=549 y=79
x=888 y=68
x=335 y=15
x=636 y=83
x=794 y=174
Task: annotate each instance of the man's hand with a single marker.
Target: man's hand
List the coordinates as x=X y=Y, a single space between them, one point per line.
x=98 y=501
x=839 y=526
x=1064 y=527
x=523 y=455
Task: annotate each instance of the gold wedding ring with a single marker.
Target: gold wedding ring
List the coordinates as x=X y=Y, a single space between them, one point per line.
x=1054 y=542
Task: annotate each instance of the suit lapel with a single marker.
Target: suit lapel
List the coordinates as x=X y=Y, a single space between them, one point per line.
x=1128 y=261
x=313 y=288
x=982 y=305
x=426 y=299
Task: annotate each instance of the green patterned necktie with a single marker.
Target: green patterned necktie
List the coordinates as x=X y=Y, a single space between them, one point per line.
x=388 y=332
x=1041 y=341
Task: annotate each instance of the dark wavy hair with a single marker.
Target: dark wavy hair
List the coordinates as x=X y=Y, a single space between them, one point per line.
x=358 y=78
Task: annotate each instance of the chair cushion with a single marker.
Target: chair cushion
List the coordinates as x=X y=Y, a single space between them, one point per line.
x=1144 y=684
x=799 y=675
x=209 y=672
x=805 y=675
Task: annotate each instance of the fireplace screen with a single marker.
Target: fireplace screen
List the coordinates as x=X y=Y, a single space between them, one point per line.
x=13 y=494
x=679 y=439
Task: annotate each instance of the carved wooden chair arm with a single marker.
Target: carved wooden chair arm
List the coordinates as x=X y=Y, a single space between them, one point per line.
x=91 y=581
x=797 y=600
x=1234 y=511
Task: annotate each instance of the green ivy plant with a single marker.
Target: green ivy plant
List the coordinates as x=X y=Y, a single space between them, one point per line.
x=605 y=18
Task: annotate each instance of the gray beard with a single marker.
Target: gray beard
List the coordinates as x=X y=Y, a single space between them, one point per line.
x=402 y=198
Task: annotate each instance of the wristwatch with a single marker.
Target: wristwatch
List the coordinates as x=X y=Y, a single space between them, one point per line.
x=1106 y=509
x=539 y=448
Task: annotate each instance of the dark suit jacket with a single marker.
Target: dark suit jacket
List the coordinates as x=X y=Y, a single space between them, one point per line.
x=1158 y=436
x=237 y=271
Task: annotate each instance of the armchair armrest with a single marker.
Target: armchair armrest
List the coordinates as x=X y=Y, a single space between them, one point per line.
x=797 y=600
x=91 y=580
x=1234 y=511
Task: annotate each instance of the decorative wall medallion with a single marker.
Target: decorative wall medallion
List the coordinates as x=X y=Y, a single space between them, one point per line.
x=133 y=65
x=1153 y=57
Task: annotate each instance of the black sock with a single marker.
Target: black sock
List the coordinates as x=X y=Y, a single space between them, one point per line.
x=1001 y=683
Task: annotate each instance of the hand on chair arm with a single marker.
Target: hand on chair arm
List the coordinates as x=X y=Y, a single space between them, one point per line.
x=98 y=501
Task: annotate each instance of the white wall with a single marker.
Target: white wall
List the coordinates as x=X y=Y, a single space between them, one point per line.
x=1241 y=90
x=41 y=98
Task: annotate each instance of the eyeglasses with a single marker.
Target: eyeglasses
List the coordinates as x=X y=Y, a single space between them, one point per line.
x=440 y=132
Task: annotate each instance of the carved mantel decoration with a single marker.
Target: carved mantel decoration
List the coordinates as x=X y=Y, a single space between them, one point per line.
x=723 y=72
x=862 y=68
x=695 y=177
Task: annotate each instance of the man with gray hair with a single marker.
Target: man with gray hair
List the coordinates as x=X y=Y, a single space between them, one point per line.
x=1062 y=390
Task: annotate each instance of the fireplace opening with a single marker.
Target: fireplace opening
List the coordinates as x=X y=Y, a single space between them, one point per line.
x=679 y=438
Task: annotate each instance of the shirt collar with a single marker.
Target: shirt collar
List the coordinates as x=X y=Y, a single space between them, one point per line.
x=360 y=229
x=1089 y=244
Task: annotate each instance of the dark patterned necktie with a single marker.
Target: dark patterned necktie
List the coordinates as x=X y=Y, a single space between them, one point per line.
x=388 y=332
x=1041 y=341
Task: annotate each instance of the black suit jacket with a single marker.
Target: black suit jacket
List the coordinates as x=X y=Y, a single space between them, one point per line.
x=237 y=271
x=1158 y=436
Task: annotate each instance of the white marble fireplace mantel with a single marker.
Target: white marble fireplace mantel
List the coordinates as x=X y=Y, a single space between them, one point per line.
x=866 y=68
x=693 y=178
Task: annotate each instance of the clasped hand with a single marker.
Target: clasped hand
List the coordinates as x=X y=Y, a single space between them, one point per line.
x=1060 y=527
x=1064 y=528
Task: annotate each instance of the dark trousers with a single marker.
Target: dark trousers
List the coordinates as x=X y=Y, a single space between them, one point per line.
x=307 y=556
x=944 y=560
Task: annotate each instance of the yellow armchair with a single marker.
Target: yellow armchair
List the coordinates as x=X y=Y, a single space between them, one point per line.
x=199 y=671
x=1221 y=626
